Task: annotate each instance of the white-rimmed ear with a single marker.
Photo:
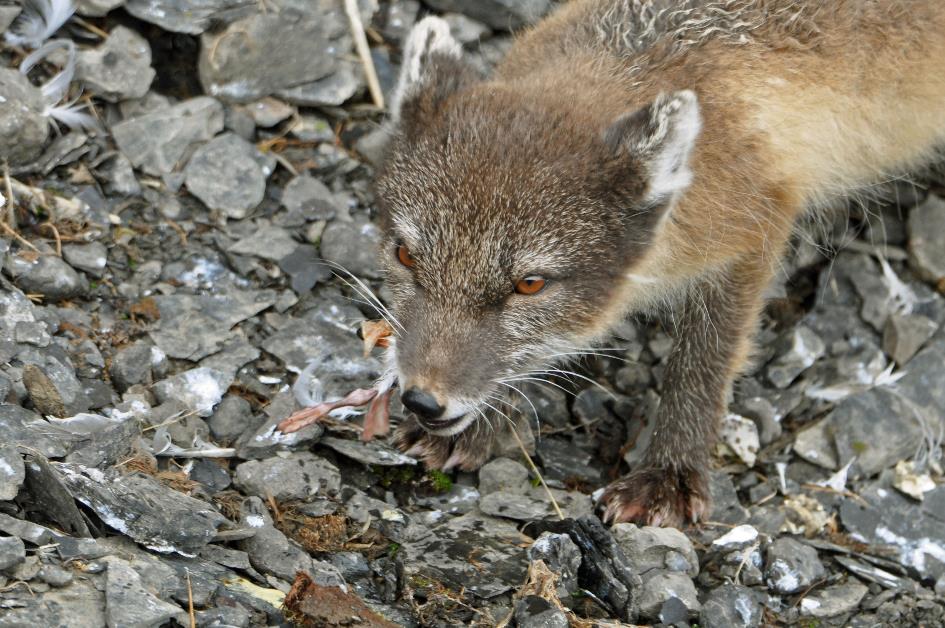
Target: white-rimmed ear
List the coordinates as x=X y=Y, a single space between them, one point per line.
x=432 y=59
x=661 y=136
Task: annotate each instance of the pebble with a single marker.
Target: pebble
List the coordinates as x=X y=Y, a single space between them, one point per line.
x=792 y=566
x=119 y=68
x=228 y=174
x=731 y=606
x=23 y=128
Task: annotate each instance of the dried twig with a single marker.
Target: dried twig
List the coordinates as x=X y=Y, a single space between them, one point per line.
x=364 y=51
x=11 y=200
x=49 y=225
x=190 y=601
x=92 y=28
x=531 y=463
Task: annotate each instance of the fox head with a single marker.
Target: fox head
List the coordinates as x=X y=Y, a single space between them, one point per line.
x=511 y=222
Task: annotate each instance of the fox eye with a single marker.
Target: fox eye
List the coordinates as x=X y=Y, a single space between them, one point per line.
x=404 y=256
x=533 y=284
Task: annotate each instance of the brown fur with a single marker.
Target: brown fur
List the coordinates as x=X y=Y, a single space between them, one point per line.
x=546 y=168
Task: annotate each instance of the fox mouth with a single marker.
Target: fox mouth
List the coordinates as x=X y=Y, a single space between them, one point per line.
x=441 y=427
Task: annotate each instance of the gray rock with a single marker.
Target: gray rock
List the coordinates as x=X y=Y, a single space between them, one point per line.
x=661 y=586
x=353 y=245
x=499 y=14
x=19 y=426
x=305 y=268
x=228 y=174
x=562 y=556
x=55 y=576
x=142 y=508
x=297 y=476
x=50 y=276
x=266 y=242
x=564 y=462
x=440 y=552
x=803 y=348
x=188 y=16
x=503 y=474
x=765 y=416
x=132 y=364
x=372 y=453
x=12 y=472
x=792 y=566
x=905 y=334
x=12 y=552
x=323 y=337
x=267 y=53
x=23 y=127
x=311 y=198
x=535 y=504
x=269 y=112
x=199 y=389
x=196 y=326
x=332 y=91
x=915 y=535
x=232 y=417
x=129 y=603
x=97 y=8
x=657 y=548
x=832 y=601
x=118 y=69
x=731 y=606
x=533 y=611
x=80 y=605
x=927 y=239
x=311 y=128
x=90 y=258
x=725 y=505
x=159 y=141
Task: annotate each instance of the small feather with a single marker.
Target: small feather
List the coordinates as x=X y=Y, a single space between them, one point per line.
x=56 y=88
x=73 y=117
x=38 y=21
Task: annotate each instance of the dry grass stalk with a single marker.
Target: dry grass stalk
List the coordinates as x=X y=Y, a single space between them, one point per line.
x=364 y=51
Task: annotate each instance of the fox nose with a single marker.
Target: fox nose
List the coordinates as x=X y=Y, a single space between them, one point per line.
x=422 y=402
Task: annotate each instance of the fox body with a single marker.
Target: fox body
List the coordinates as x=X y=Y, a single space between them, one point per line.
x=626 y=155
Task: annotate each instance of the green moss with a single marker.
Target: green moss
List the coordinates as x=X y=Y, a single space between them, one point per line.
x=859 y=446
x=392 y=550
x=394 y=476
x=441 y=482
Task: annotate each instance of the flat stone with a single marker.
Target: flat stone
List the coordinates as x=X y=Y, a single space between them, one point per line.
x=741 y=436
x=310 y=197
x=12 y=472
x=79 y=605
x=158 y=141
x=23 y=127
x=499 y=14
x=298 y=476
x=19 y=426
x=503 y=474
x=199 y=389
x=267 y=242
x=535 y=504
x=90 y=258
x=661 y=586
x=833 y=601
x=440 y=552
x=305 y=268
x=196 y=326
x=265 y=53
x=232 y=417
x=331 y=91
x=119 y=68
x=927 y=239
x=650 y=548
x=188 y=16
x=132 y=364
x=268 y=112
x=372 y=453
x=142 y=508
x=128 y=603
x=353 y=245
x=458 y=500
x=731 y=606
x=228 y=174
x=792 y=566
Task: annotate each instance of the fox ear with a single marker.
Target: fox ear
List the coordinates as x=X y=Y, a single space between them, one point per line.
x=660 y=137
x=432 y=69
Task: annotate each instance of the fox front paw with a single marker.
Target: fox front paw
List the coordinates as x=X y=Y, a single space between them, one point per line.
x=467 y=450
x=658 y=497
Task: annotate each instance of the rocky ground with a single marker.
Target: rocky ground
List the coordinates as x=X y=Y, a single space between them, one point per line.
x=163 y=306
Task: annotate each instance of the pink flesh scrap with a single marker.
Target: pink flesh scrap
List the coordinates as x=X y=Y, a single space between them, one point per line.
x=377 y=419
x=306 y=417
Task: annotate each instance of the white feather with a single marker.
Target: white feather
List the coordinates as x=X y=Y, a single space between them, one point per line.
x=39 y=20
x=73 y=117
x=55 y=89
